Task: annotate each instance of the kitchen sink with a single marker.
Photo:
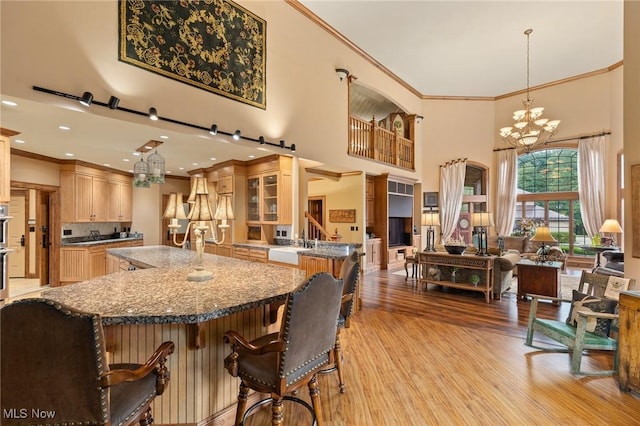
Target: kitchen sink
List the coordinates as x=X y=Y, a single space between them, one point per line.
x=286 y=254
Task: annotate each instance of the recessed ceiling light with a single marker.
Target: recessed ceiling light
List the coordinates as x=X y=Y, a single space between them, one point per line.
x=130 y=170
x=19 y=141
x=64 y=127
x=125 y=159
x=213 y=158
x=68 y=154
x=194 y=164
x=164 y=137
x=9 y=103
x=252 y=156
x=136 y=153
x=181 y=168
x=168 y=171
x=107 y=165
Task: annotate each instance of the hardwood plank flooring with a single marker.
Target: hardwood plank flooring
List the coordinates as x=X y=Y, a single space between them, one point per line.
x=441 y=357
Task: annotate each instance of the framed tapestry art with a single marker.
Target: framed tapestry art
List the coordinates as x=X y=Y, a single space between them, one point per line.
x=215 y=45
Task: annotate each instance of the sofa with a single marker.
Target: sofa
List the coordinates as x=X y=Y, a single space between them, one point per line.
x=527 y=248
x=614 y=264
x=503 y=269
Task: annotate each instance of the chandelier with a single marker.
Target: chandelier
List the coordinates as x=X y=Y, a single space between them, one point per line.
x=530 y=129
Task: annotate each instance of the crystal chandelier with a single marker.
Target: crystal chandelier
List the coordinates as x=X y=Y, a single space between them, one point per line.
x=530 y=129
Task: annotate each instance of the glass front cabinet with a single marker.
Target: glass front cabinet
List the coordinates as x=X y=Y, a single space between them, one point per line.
x=269 y=192
x=253 y=199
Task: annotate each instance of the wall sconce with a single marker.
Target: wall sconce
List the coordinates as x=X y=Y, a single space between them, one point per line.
x=342 y=73
x=419 y=119
x=86 y=99
x=153 y=114
x=430 y=219
x=200 y=218
x=482 y=220
x=113 y=102
x=141 y=174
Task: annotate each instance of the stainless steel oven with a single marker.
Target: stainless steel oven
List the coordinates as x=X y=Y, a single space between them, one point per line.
x=4 y=251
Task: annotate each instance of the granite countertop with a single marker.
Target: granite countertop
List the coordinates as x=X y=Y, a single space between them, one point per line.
x=162 y=294
x=97 y=242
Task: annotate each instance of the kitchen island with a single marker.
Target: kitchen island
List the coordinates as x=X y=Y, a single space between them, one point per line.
x=140 y=309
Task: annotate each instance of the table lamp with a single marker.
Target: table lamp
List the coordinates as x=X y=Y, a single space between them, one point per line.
x=430 y=219
x=543 y=235
x=611 y=226
x=200 y=217
x=482 y=220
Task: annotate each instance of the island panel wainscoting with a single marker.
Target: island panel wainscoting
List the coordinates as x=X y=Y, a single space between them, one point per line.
x=145 y=307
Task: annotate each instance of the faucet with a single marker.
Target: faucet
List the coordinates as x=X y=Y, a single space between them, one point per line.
x=304 y=240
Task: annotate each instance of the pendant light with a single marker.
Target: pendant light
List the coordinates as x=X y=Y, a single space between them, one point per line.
x=141 y=174
x=156 y=167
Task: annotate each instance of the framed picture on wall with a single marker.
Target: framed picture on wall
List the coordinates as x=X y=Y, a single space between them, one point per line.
x=430 y=199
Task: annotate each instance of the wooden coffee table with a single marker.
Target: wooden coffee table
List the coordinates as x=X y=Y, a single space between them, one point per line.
x=538 y=278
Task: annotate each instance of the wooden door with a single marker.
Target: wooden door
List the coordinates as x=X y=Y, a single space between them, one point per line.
x=43 y=236
x=17 y=235
x=316 y=210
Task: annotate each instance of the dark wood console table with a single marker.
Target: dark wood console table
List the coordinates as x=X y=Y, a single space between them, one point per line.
x=456 y=270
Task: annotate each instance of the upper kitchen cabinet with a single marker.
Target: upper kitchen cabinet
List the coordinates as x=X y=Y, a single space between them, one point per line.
x=120 y=199
x=229 y=178
x=92 y=195
x=5 y=161
x=270 y=191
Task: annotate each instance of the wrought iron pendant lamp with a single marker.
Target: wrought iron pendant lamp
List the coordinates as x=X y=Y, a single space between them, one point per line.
x=156 y=167
x=530 y=129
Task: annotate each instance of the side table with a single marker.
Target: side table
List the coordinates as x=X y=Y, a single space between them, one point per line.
x=541 y=278
x=413 y=261
x=597 y=250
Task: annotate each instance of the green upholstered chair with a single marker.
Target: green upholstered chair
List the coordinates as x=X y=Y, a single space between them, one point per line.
x=280 y=363
x=576 y=338
x=54 y=360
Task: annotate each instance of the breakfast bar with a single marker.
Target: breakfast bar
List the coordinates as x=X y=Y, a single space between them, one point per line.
x=142 y=308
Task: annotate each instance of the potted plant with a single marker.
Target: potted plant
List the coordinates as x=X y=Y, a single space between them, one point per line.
x=475 y=279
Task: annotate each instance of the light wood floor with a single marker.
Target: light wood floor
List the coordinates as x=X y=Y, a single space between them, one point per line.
x=441 y=357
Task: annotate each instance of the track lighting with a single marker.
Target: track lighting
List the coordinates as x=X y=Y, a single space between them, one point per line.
x=342 y=73
x=293 y=147
x=113 y=102
x=86 y=99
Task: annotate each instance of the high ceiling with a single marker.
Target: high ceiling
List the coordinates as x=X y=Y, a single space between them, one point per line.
x=478 y=48
x=446 y=48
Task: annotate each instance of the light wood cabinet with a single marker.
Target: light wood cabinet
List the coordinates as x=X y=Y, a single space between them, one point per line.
x=373 y=253
x=253 y=254
x=92 y=195
x=83 y=263
x=270 y=192
x=312 y=265
x=225 y=185
x=120 y=201
x=5 y=164
x=628 y=348
x=219 y=249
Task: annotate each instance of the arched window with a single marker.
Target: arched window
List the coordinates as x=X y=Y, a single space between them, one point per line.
x=548 y=194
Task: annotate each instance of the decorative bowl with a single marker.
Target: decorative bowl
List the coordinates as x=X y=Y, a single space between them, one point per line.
x=455 y=249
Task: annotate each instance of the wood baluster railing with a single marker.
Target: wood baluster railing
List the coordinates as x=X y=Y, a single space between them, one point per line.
x=313 y=223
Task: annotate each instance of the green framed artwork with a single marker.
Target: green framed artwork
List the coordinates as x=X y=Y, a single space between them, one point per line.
x=215 y=45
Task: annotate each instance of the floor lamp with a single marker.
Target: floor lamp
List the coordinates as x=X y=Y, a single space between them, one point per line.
x=430 y=219
x=482 y=220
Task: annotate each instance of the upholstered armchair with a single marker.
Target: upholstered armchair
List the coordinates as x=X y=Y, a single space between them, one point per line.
x=280 y=363
x=54 y=361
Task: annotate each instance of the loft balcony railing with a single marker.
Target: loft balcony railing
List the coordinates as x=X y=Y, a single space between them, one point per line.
x=368 y=140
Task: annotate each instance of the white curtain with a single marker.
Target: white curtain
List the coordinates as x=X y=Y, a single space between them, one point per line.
x=505 y=211
x=451 y=189
x=591 y=156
